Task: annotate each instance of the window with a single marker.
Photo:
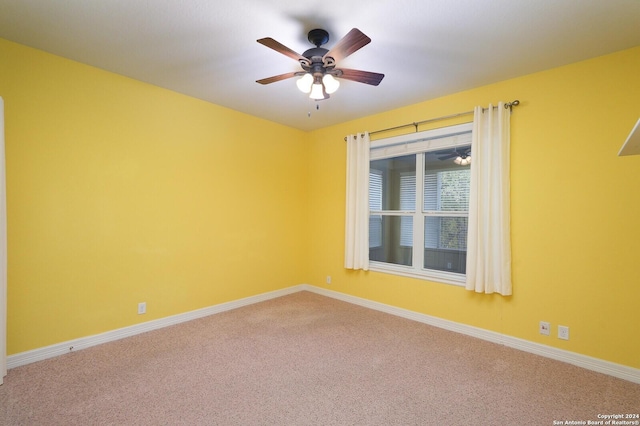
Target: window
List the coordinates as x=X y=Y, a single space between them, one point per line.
x=418 y=204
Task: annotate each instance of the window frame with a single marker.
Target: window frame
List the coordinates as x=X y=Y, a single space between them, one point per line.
x=419 y=143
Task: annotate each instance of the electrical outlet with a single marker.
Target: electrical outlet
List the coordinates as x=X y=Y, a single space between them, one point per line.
x=328 y=279
x=545 y=328
x=142 y=308
x=563 y=332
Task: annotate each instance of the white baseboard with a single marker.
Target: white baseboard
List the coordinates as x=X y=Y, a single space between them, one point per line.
x=594 y=364
x=589 y=363
x=57 y=349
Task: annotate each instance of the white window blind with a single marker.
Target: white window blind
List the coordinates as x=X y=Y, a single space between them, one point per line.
x=431 y=230
x=375 y=204
x=407 y=202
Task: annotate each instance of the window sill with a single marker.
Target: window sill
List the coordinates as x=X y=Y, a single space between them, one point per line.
x=427 y=275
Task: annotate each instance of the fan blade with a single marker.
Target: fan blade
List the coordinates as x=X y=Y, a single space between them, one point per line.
x=372 y=78
x=354 y=40
x=281 y=48
x=275 y=78
x=448 y=156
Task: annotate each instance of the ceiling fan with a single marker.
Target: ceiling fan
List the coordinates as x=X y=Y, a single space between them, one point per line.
x=319 y=64
x=462 y=157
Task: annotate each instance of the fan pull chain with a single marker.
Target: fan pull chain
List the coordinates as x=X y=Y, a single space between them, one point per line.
x=317 y=109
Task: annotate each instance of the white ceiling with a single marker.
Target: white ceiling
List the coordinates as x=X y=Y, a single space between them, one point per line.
x=426 y=48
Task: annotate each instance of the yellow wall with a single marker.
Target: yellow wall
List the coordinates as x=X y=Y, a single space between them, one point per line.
x=575 y=211
x=120 y=192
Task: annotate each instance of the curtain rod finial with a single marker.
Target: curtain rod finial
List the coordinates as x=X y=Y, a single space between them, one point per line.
x=510 y=105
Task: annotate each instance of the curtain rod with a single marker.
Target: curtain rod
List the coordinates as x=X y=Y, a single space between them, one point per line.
x=508 y=105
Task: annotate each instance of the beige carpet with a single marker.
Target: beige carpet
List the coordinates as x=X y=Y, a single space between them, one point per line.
x=305 y=359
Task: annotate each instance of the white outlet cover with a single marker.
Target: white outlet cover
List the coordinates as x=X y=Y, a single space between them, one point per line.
x=142 y=308
x=563 y=332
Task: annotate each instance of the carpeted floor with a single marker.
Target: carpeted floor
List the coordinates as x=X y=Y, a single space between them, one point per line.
x=305 y=359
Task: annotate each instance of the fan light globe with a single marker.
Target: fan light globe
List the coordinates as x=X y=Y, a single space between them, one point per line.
x=304 y=83
x=330 y=83
x=316 y=92
x=463 y=161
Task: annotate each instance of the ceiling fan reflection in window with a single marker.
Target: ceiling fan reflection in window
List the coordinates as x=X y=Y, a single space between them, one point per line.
x=319 y=75
x=462 y=157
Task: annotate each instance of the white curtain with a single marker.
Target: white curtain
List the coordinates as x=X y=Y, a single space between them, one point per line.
x=356 y=254
x=489 y=235
x=3 y=253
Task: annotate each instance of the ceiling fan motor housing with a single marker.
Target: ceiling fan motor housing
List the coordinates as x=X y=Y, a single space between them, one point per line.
x=315 y=52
